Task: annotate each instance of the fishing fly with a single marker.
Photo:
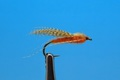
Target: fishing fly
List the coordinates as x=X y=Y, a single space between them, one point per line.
x=61 y=37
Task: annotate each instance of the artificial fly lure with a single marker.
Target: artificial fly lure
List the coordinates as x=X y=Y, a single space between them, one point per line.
x=62 y=36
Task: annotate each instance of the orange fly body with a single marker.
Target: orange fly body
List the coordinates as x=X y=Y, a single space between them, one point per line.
x=80 y=38
x=62 y=36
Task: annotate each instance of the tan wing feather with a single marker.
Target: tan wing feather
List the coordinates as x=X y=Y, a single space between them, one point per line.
x=52 y=32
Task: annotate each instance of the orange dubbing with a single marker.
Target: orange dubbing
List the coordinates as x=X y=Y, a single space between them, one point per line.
x=72 y=39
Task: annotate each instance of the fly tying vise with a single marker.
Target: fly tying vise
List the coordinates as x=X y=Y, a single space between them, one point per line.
x=62 y=36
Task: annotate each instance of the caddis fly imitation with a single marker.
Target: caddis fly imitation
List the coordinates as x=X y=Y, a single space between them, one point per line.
x=62 y=36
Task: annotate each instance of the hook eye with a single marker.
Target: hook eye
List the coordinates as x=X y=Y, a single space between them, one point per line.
x=87 y=38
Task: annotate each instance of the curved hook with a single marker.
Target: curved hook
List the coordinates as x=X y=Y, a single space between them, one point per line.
x=44 y=53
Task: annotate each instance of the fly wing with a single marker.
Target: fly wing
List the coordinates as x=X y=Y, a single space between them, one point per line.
x=52 y=32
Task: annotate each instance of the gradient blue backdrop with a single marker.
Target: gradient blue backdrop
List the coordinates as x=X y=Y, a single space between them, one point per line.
x=94 y=60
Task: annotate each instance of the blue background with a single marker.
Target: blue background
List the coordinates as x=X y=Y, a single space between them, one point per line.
x=94 y=60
